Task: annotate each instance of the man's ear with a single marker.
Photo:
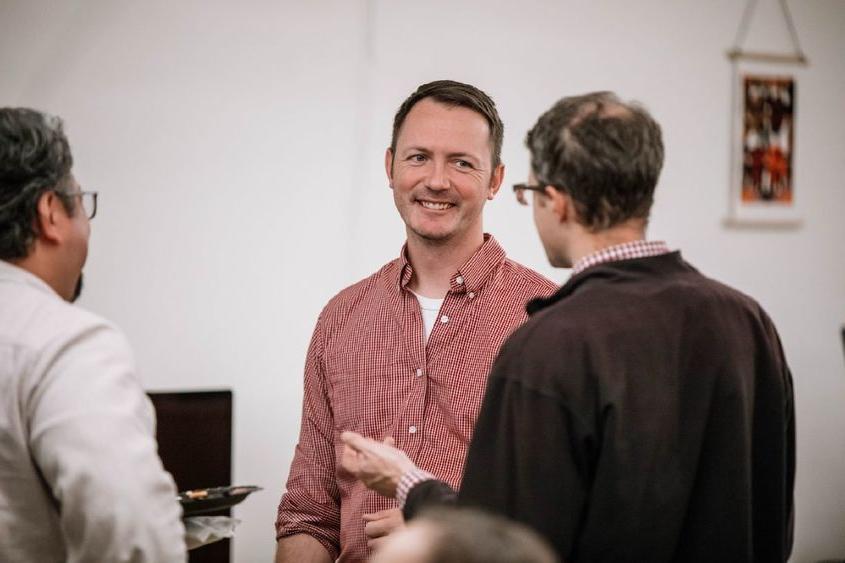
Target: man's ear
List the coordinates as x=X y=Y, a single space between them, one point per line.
x=561 y=203
x=388 y=166
x=50 y=212
x=496 y=181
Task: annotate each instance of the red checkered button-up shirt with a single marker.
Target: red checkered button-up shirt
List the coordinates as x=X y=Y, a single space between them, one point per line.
x=370 y=369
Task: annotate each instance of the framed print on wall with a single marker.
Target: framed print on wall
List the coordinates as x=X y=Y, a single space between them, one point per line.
x=763 y=186
x=763 y=183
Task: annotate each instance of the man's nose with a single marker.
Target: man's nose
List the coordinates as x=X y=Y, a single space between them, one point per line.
x=438 y=178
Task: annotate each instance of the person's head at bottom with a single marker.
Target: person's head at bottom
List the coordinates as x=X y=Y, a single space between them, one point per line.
x=451 y=535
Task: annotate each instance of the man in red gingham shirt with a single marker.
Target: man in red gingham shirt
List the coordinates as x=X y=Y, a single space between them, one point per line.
x=405 y=353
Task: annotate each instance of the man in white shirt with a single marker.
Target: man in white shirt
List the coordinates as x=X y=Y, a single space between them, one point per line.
x=80 y=476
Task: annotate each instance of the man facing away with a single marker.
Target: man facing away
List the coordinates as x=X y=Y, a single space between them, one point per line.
x=80 y=477
x=644 y=412
x=406 y=352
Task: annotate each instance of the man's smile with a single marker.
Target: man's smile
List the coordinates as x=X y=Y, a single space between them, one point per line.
x=435 y=205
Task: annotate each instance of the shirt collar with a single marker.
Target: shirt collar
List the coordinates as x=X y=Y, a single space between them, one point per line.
x=624 y=251
x=668 y=259
x=15 y=274
x=470 y=277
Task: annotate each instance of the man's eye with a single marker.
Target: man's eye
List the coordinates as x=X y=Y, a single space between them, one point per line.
x=417 y=158
x=463 y=164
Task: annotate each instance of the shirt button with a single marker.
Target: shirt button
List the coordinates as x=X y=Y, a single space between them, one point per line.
x=412 y=430
x=459 y=280
x=444 y=319
x=472 y=295
x=419 y=372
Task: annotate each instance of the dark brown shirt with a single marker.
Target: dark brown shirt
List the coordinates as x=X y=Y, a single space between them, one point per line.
x=643 y=413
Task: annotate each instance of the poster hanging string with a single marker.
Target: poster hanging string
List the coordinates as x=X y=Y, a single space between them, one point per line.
x=736 y=51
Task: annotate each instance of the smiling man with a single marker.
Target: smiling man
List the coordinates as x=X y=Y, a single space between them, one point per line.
x=405 y=352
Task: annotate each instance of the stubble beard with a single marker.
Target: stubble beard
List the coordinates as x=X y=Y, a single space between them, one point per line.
x=77 y=291
x=437 y=238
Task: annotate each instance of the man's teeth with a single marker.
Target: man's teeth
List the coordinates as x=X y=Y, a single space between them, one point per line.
x=435 y=205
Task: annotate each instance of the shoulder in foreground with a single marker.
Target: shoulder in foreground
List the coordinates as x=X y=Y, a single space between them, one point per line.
x=46 y=318
x=723 y=293
x=689 y=282
x=677 y=289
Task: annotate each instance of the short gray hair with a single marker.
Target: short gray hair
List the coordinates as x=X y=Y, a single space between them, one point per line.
x=605 y=153
x=35 y=158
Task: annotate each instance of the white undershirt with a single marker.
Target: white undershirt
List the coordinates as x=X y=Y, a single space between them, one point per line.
x=430 y=307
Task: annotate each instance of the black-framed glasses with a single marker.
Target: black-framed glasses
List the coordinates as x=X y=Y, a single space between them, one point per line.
x=520 y=189
x=88 y=200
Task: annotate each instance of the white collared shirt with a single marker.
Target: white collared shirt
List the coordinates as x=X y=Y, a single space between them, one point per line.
x=80 y=476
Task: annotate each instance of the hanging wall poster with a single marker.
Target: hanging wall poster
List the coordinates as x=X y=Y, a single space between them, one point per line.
x=764 y=191
x=767 y=139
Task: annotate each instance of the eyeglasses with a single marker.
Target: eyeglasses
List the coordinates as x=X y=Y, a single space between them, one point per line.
x=520 y=189
x=88 y=200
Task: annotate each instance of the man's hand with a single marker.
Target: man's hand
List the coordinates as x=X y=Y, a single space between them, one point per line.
x=380 y=524
x=378 y=465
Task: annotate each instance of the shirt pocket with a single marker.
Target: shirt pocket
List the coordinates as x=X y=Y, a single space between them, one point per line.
x=366 y=393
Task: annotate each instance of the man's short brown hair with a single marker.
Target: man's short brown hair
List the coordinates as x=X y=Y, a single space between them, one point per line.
x=455 y=94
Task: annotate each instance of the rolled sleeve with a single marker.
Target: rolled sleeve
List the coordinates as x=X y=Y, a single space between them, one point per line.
x=311 y=503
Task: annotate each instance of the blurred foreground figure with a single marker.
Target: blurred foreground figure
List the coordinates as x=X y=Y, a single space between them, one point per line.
x=645 y=411
x=464 y=536
x=80 y=477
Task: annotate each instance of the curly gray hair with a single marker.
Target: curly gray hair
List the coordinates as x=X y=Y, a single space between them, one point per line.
x=35 y=158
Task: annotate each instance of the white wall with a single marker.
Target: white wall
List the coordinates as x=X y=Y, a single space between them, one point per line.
x=238 y=153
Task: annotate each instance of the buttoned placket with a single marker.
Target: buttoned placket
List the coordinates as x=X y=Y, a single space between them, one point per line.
x=410 y=425
x=450 y=308
x=412 y=421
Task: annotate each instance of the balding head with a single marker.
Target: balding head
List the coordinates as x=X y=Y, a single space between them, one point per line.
x=605 y=153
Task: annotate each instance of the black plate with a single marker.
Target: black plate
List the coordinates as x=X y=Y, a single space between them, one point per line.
x=216 y=499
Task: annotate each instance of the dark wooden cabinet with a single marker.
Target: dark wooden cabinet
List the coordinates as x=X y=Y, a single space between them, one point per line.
x=194 y=432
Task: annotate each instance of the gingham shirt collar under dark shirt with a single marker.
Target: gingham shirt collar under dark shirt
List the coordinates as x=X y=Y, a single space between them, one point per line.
x=624 y=251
